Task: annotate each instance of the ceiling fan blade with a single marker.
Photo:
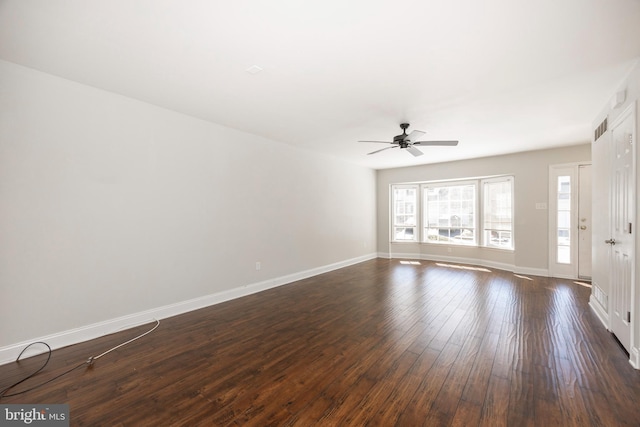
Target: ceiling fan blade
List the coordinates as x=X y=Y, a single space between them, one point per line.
x=382 y=149
x=442 y=143
x=413 y=150
x=414 y=135
x=380 y=142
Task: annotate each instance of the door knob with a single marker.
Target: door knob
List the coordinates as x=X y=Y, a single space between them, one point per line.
x=610 y=241
x=583 y=227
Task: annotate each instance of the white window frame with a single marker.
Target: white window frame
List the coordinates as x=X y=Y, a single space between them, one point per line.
x=459 y=239
x=420 y=235
x=416 y=226
x=556 y=268
x=486 y=211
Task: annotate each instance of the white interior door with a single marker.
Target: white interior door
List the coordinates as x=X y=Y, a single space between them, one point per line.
x=622 y=270
x=584 y=222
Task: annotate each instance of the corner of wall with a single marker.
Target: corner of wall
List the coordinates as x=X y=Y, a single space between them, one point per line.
x=634 y=357
x=600 y=311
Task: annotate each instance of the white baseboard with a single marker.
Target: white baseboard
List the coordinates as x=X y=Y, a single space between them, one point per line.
x=411 y=255
x=634 y=357
x=528 y=271
x=73 y=336
x=599 y=310
x=471 y=261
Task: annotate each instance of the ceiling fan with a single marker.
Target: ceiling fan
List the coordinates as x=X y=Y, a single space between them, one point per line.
x=408 y=141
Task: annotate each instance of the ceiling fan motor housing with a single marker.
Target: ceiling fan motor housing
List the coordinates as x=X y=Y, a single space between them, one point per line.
x=401 y=139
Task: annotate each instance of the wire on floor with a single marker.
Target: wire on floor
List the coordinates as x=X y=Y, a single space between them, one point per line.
x=88 y=362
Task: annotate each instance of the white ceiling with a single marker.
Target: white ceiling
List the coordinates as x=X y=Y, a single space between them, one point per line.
x=499 y=75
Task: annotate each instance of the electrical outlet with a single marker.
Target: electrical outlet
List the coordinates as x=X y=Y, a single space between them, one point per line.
x=258 y=265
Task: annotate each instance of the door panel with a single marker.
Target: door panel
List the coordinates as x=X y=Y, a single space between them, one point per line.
x=622 y=243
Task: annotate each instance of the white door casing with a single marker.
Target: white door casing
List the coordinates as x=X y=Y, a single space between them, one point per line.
x=601 y=152
x=584 y=222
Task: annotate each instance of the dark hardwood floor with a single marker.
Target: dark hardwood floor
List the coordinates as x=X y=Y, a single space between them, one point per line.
x=380 y=343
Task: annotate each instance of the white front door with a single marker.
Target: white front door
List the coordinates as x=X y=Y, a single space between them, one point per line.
x=584 y=222
x=622 y=202
x=570 y=220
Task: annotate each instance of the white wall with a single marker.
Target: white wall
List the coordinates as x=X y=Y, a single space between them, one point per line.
x=531 y=172
x=110 y=206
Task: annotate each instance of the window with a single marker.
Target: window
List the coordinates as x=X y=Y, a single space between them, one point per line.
x=405 y=203
x=563 y=223
x=450 y=213
x=498 y=213
x=476 y=212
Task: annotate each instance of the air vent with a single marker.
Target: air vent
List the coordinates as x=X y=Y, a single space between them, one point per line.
x=600 y=130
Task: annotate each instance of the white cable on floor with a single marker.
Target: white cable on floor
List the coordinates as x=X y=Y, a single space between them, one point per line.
x=93 y=359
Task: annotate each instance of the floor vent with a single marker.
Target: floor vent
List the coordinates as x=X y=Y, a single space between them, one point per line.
x=600 y=130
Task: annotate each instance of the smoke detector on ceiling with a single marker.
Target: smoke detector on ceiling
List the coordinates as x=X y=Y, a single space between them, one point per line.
x=254 y=69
